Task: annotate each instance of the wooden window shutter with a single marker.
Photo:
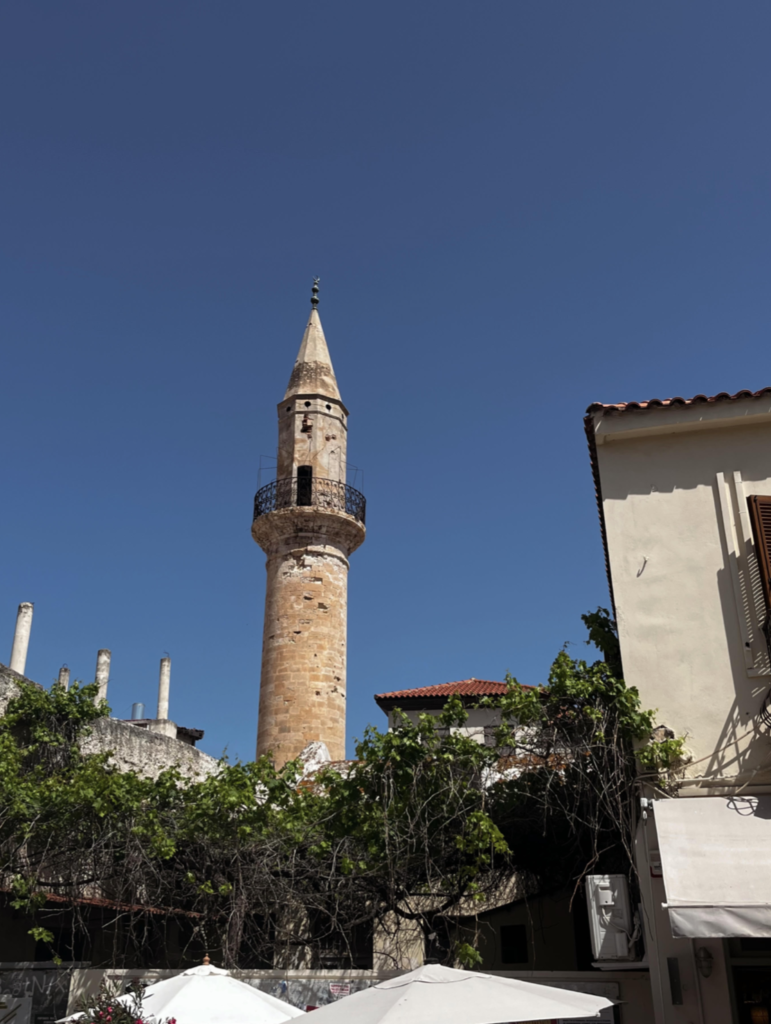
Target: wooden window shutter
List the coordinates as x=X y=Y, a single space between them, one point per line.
x=760 y=514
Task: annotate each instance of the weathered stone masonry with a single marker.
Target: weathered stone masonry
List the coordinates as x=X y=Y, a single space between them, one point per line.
x=302 y=691
x=308 y=534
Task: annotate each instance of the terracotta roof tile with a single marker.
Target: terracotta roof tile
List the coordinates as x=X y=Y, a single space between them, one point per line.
x=663 y=403
x=469 y=690
x=462 y=688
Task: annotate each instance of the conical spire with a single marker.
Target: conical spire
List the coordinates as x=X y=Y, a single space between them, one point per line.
x=313 y=373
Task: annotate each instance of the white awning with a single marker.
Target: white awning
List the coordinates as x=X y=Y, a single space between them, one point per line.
x=716 y=860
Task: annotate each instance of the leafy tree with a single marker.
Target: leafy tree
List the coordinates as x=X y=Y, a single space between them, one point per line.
x=260 y=866
x=603 y=633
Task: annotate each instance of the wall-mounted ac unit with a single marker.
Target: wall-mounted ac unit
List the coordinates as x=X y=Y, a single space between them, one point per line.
x=610 y=917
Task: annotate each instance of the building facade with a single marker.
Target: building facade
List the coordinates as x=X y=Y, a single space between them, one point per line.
x=147 y=746
x=684 y=491
x=481 y=722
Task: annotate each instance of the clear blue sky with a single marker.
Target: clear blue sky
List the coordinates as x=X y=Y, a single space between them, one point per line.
x=515 y=208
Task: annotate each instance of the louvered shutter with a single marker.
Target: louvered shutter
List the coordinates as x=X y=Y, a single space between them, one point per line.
x=760 y=513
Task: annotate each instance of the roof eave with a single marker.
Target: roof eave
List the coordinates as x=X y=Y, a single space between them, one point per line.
x=411 y=703
x=589 y=427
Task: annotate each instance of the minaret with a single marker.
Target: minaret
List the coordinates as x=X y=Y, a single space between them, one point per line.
x=308 y=521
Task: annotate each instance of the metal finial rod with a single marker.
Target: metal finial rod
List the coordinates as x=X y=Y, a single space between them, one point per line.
x=315 y=292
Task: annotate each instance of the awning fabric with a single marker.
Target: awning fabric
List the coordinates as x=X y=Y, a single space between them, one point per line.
x=716 y=861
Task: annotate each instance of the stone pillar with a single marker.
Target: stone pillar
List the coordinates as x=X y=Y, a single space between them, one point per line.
x=21 y=637
x=64 y=677
x=102 y=676
x=302 y=685
x=164 y=683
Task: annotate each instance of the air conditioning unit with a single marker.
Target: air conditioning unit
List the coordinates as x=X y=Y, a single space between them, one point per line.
x=610 y=917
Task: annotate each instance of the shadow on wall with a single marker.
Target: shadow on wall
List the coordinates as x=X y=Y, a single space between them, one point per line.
x=683 y=461
x=743 y=609
x=684 y=522
x=734 y=753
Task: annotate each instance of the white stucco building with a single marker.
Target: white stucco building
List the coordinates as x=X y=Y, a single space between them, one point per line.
x=677 y=485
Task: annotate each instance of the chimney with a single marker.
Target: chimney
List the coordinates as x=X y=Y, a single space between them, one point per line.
x=164 y=683
x=21 y=637
x=102 y=673
x=64 y=677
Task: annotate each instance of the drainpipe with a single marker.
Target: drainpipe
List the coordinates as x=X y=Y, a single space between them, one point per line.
x=64 y=677
x=21 y=637
x=164 y=682
x=102 y=676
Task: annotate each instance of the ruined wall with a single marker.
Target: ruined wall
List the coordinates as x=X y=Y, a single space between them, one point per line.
x=303 y=679
x=147 y=753
x=139 y=750
x=9 y=686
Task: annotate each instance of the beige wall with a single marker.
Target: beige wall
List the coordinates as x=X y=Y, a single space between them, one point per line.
x=549 y=926
x=674 y=487
x=147 y=752
x=132 y=748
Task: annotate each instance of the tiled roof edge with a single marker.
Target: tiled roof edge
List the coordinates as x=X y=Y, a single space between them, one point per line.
x=460 y=687
x=664 y=403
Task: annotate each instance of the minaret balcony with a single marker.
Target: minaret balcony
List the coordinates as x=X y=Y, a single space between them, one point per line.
x=313 y=492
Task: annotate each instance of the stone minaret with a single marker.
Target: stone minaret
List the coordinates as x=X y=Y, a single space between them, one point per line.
x=308 y=521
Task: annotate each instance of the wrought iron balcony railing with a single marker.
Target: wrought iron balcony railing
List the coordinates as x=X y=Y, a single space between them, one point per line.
x=314 y=491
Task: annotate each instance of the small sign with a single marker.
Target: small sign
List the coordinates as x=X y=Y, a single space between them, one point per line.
x=339 y=988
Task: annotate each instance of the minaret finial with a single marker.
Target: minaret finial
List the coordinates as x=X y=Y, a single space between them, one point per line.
x=315 y=292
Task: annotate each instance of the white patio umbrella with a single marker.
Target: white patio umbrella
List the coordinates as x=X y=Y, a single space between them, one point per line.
x=441 y=994
x=208 y=995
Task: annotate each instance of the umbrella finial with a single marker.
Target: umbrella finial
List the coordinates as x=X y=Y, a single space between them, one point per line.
x=206 y=961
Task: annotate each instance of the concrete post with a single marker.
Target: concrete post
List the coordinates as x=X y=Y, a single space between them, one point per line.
x=21 y=637
x=164 y=683
x=64 y=677
x=102 y=673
